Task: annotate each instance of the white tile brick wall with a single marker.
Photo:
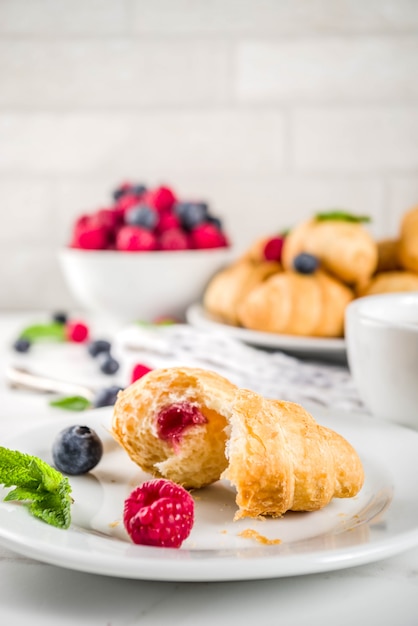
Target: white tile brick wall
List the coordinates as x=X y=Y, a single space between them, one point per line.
x=243 y=17
x=161 y=143
x=269 y=109
x=112 y=73
x=328 y=69
x=360 y=139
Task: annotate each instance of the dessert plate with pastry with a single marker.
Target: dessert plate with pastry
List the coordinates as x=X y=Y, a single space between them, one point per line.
x=277 y=490
x=290 y=291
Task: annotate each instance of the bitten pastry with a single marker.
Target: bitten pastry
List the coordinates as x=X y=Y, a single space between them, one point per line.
x=345 y=248
x=297 y=304
x=193 y=426
x=408 y=242
x=228 y=287
x=172 y=424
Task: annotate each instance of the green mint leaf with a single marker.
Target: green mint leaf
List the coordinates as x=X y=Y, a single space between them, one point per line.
x=43 y=488
x=71 y=403
x=38 y=332
x=50 y=510
x=23 y=493
x=342 y=216
x=16 y=468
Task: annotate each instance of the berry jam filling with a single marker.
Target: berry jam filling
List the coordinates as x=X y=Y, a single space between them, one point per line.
x=174 y=419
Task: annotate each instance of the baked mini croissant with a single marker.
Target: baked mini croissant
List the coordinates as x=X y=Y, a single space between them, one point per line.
x=390 y=282
x=193 y=426
x=344 y=248
x=297 y=304
x=280 y=459
x=228 y=287
x=408 y=242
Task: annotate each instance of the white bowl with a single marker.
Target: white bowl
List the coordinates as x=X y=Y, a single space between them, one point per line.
x=381 y=333
x=130 y=286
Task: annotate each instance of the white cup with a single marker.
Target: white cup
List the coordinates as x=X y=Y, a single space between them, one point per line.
x=381 y=333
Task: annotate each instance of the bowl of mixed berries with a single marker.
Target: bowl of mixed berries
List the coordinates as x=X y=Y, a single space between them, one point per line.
x=148 y=255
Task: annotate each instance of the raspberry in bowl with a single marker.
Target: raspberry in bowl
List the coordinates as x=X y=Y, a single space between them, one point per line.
x=149 y=254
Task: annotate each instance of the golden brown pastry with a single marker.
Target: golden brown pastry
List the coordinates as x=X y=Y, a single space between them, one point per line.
x=390 y=282
x=172 y=424
x=280 y=459
x=408 y=241
x=229 y=286
x=193 y=426
x=297 y=304
x=344 y=248
x=387 y=255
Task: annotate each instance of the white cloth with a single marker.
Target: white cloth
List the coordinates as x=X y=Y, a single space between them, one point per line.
x=272 y=374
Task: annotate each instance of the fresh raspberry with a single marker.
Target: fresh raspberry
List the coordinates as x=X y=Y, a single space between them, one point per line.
x=208 y=236
x=139 y=370
x=76 y=331
x=174 y=420
x=163 y=199
x=88 y=235
x=273 y=249
x=167 y=221
x=174 y=239
x=134 y=238
x=106 y=218
x=159 y=513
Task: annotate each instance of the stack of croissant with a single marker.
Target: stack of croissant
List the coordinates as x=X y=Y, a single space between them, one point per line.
x=267 y=291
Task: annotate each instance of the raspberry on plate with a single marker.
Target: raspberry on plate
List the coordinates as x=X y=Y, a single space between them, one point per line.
x=159 y=513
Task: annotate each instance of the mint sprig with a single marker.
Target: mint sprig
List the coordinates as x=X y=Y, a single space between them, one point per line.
x=71 y=403
x=44 y=490
x=53 y=331
x=342 y=216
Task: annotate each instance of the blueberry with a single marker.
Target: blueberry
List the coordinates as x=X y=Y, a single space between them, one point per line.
x=98 y=347
x=215 y=221
x=108 y=364
x=22 y=344
x=106 y=396
x=121 y=191
x=139 y=190
x=60 y=317
x=76 y=450
x=191 y=214
x=305 y=263
x=142 y=215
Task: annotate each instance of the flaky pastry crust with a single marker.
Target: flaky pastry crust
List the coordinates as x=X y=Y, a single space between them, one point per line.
x=274 y=453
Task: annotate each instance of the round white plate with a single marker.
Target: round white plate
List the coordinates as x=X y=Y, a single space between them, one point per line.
x=381 y=521
x=303 y=346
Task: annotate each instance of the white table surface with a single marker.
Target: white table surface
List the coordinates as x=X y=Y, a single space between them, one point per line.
x=384 y=593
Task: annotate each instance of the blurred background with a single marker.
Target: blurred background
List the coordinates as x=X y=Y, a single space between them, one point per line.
x=268 y=109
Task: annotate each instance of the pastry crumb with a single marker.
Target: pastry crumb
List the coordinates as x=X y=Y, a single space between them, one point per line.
x=250 y=533
x=114 y=524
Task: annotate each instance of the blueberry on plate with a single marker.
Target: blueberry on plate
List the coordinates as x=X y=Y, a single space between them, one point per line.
x=305 y=263
x=98 y=346
x=60 y=317
x=77 y=450
x=106 y=396
x=108 y=364
x=22 y=344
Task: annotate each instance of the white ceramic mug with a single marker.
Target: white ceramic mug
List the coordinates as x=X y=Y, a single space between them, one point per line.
x=381 y=334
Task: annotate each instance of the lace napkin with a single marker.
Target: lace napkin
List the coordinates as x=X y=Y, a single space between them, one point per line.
x=272 y=374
